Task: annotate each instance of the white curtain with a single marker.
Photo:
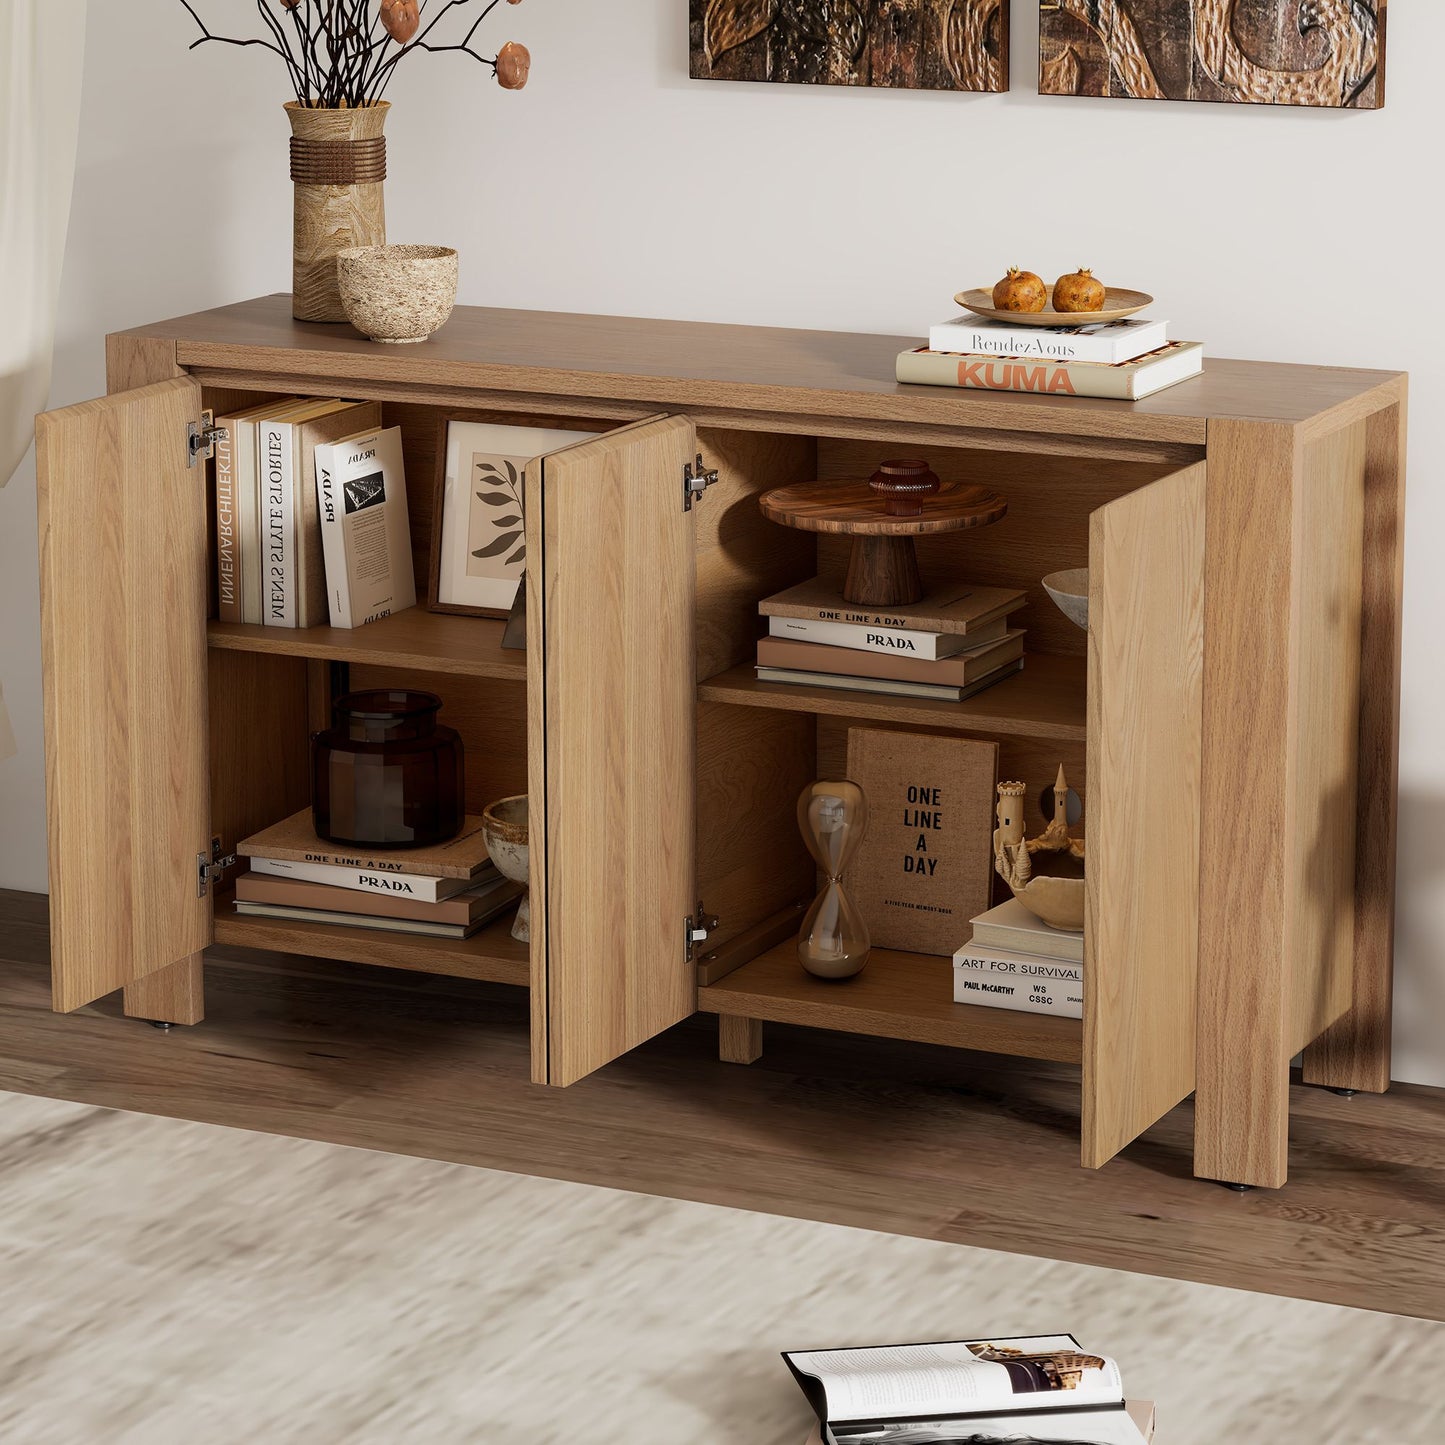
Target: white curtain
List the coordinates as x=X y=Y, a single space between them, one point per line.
x=42 y=48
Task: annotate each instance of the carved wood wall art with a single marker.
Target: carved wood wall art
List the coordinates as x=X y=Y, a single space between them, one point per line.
x=1261 y=52
x=906 y=44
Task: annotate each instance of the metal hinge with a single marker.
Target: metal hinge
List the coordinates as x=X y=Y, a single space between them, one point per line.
x=697 y=929
x=211 y=870
x=696 y=479
x=201 y=438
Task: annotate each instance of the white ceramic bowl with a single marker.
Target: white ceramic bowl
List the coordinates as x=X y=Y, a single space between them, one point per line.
x=1070 y=591
x=397 y=293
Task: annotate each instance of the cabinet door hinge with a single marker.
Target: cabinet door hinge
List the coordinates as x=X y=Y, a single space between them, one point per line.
x=696 y=930
x=201 y=438
x=696 y=479
x=211 y=869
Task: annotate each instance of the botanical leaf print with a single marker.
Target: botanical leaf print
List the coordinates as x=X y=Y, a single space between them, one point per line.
x=730 y=23
x=501 y=486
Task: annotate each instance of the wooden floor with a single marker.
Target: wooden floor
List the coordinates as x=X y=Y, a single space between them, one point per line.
x=907 y=1138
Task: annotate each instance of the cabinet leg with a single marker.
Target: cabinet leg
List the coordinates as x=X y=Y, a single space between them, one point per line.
x=1241 y=1121
x=174 y=995
x=739 y=1040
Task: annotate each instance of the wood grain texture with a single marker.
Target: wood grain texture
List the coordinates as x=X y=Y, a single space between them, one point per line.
x=132 y=361
x=172 y=995
x=613 y=659
x=418 y=639
x=741 y=556
x=1146 y=661
x=739 y=1040
x=1045 y=700
x=762 y=372
x=123 y=603
x=1323 y=793
x=897 y=996
x=1242 y=1095
x=1354 y=1053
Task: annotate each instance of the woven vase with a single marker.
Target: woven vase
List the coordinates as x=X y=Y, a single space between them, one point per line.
x=338 y=164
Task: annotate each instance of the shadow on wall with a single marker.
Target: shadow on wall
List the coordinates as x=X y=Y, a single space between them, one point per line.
x=1419 y=929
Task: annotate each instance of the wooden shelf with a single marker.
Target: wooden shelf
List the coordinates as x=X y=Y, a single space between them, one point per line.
x=897 y=996
x=416 y=638
x=491 y=954
x=1048 y=699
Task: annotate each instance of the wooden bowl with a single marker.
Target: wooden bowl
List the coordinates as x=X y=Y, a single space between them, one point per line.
x=1070 y=591
x=397 y=293
x=1118 y=303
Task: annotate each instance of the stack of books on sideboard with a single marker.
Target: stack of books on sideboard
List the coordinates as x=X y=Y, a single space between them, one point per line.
x=447 y=891
x=1016 y=961
x=1124 y=360
x=311 y=515
x=951 y=644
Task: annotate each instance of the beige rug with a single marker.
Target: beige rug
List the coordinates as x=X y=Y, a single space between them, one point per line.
x=174 y=1282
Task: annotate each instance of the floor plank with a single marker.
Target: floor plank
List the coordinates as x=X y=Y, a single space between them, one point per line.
x=906 y=1138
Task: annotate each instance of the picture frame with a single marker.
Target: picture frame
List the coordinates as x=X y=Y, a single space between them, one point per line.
x=478 y=543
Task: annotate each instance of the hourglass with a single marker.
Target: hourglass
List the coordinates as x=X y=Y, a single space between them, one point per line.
x=833 y=818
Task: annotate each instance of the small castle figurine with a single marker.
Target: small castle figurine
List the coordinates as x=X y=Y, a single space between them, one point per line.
x=1058 y=901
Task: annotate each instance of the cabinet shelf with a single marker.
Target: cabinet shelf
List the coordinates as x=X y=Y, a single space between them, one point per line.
x=491 y=954
x=1048 y=699
x=897 y=996
x=418 y=639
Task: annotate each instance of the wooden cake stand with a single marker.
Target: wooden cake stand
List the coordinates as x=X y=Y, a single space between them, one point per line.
x=900 y=501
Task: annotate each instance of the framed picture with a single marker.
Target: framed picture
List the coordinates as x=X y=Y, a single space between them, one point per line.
x=479 y=545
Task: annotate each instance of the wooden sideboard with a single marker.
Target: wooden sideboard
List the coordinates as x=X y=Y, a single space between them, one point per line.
x=1230 y=718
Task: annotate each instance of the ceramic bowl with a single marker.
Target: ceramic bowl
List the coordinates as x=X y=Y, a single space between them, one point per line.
x=504 y=830
x=397 y=293
x=1070 y=590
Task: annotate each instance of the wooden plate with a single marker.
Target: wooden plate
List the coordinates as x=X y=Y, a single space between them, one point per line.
x=1118 y=303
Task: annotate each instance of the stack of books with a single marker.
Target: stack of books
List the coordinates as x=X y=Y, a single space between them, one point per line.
x=953 y=643
x=1016 y=961
x=449 y=891
x=289 y=473
x=1124 y=360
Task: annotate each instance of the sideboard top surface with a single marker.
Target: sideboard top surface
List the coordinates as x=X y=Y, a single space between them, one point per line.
x=743 y=369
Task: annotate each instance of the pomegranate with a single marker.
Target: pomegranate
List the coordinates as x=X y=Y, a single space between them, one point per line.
x=1078 y=292
x=1020 y=291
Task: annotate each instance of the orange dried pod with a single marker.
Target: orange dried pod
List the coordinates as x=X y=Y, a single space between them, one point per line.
x=401 y=18
x=514 y=61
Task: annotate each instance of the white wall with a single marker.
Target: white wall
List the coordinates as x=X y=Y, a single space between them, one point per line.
x=616 y=184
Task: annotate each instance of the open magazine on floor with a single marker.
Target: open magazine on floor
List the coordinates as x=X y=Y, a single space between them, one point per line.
x=1035 y=1387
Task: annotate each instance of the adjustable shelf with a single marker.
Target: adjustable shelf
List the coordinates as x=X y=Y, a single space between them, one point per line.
x=1048 y=699
x=418 y=639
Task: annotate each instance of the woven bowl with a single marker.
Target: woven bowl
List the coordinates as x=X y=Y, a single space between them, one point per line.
x=397 y=293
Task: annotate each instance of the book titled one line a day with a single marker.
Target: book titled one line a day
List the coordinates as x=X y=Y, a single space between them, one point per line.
x=1122 y=381
x=977 y=612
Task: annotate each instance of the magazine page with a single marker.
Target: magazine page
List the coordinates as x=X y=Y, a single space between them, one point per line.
x=1086 y=1427
x=897 y=1383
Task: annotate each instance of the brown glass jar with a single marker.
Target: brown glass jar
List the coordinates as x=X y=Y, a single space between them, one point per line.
x=386 y=773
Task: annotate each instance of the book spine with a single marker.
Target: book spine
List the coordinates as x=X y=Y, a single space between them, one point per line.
x=228 y=576
x=982 y=958
x=248 y=518
x=983 y=373
x=898 y=642
x=333 y=540
x=278 y=522
x=987 y=988
x=417 y=886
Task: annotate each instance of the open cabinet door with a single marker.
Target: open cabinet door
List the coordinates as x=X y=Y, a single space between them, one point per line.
x=1146 y=671
x=123 y=561
x=611 y=687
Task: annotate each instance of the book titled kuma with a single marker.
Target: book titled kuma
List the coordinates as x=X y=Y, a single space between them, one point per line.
x=1007 y=375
